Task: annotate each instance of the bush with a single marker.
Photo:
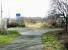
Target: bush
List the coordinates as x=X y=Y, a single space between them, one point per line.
x=13 y=24
x=21 y=25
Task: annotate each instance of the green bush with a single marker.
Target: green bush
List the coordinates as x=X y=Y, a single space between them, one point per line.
x=51 y=42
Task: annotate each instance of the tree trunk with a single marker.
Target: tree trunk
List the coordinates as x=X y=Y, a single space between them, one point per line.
x=3 y=26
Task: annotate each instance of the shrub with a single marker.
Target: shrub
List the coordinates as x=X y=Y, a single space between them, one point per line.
x=12 y=24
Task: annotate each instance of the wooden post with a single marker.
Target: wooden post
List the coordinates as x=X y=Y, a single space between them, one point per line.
x=66 y=24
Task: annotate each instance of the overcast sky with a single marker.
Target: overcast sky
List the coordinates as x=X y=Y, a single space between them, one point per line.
x=27 y=8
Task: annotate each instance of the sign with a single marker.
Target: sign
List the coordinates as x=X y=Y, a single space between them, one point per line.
x=18 y=14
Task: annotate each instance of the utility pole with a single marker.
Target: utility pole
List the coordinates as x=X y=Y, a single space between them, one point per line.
x=1 y=19
x=1 y=10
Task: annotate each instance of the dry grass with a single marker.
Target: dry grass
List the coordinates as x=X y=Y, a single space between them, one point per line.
x=37 y=25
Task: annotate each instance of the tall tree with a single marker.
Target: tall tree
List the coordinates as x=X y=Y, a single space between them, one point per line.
x=60 y=7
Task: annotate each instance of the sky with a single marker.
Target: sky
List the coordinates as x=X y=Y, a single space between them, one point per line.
x=27 y=8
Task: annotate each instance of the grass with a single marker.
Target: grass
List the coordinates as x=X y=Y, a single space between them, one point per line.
x=51 y=42
x=4 y=39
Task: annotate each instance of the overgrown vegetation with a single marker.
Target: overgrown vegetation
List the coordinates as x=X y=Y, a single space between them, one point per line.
x=51 y=42
x=9 y=37
x=37 y=25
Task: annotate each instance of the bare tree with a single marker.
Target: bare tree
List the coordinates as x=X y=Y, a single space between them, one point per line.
x=60 y=7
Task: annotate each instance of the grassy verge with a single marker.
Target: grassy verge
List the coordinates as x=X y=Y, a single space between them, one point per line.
x=4 y=39
x=51 y=42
